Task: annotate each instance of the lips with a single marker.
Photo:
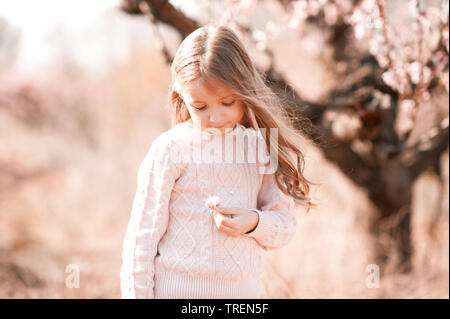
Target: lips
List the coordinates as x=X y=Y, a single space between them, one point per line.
x=218 y=127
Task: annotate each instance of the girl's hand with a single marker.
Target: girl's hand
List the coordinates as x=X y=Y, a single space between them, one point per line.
x=235 y=221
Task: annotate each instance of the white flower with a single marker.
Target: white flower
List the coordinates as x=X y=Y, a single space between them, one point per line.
x=213 y=201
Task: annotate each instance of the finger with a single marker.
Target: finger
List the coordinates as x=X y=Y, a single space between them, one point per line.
x=220 y=220
x=225 y=211
x=227 y=221
x=222 y=210
x=227 y=230
x=225 y=216
x=217 y=219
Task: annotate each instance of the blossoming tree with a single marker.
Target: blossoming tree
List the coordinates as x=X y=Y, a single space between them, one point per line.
x=387 y=120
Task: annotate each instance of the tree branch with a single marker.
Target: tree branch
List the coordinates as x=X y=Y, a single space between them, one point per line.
x=355 y=92
x=164 y=12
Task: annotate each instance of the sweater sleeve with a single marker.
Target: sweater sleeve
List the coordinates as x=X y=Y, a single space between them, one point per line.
x=277 y=222
x=148 y=219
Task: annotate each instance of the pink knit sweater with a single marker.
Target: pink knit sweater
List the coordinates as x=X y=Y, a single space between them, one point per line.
x=172 y=247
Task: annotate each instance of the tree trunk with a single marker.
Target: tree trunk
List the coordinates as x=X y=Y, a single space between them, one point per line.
x=391 y=227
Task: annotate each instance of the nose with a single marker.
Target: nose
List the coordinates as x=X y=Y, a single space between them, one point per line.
x=215 y=119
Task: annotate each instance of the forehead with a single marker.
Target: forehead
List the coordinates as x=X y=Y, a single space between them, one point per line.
x=203 y=89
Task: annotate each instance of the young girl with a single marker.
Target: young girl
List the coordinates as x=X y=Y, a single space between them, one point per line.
x=197 y=226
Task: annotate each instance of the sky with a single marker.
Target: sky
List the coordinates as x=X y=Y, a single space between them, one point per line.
x=91 y=32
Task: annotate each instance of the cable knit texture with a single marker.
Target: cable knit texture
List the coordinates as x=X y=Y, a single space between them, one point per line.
x=172 y=247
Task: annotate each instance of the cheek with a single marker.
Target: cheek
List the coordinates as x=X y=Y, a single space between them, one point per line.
x=194 y=114
x=238 y=111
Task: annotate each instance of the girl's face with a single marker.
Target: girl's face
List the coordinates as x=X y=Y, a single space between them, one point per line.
x=212 y=104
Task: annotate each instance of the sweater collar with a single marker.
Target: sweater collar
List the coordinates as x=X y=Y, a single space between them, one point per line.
x=208 y=134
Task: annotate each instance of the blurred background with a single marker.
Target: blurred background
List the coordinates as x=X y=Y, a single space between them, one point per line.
x=83 y=93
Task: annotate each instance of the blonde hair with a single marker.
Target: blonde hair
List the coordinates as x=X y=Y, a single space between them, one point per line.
x=215 y=52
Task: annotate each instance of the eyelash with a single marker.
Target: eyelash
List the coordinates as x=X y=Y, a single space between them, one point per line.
x=224 y=104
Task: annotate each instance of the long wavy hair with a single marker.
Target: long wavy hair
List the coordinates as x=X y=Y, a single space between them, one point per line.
x=216 y=52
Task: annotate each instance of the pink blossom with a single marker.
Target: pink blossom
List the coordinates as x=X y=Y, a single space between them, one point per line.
x=377 y=45
x=383 y=61
x=402 y=77
x=444 y=11
x=331 y=14
x=444 y=80
x=344 y=5
x=247 y=5
x=358 y=16
x=445 y=37
x=313 y=8
x=426 y=74
x=389 y=78
x=368 y=5
x=426 y=96
x=425 y=23
x=260 y=38
x=412 y=9
x=272 y=28
x=360 y=31
x=344 y=126
x=432 y=16
x=404 y=122
x=414 y=71
x=299 y=14
x=397 y=78
x=418 y=73
x=417 y=29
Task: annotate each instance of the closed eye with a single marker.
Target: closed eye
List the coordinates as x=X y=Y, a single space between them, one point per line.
x=229 y=104
x=202 y=108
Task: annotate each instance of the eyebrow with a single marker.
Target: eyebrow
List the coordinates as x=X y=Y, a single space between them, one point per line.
x=196 y=101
